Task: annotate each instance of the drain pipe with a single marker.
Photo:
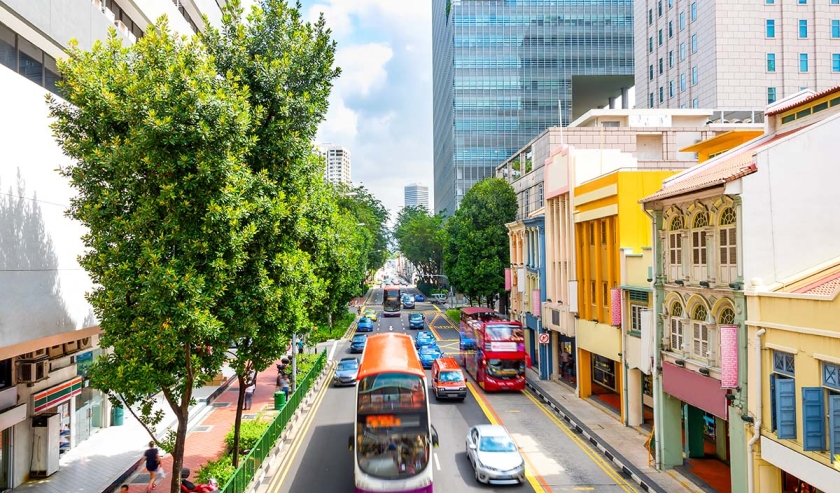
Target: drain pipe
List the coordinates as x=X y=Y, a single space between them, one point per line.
x=657 y=357
x=758 y=412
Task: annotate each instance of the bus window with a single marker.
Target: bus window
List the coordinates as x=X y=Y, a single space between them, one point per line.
x=502 y=332
x=505 y=368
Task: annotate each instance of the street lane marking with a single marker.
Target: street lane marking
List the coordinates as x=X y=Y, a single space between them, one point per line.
x=531 y=474
x=332 y=351
x=437 y=462
x=277 y=479
x=583 y=445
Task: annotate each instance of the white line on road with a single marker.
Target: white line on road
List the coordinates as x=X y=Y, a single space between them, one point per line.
x=437 y=462
x=332 y=351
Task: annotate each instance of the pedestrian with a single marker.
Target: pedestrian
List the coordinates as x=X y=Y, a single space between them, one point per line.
x=284 y=385
x=153 y=466
x=249 y=393
x=124 y=488
x=565 y=358
x=300 y=346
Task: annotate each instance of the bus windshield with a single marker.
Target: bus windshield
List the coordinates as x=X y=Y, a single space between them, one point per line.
x=505 y=368
x=392 y=446
x=502 y=332
x=391 y=392
x=391 y=300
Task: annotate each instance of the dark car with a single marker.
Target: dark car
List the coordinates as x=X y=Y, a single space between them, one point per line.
x=419 y=297
x=428 y=355
x=416 y=321
x=408 y=301
x=347 y=372
x=365 y=325
x=357 y=343
x=424 y=338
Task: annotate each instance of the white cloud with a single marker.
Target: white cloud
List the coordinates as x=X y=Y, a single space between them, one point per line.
x=362 y=67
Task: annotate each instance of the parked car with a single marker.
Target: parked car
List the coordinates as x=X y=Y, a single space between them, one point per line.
x=428 y=355
x=439 y=298
x=357 y=343
x=408 y=301
x=347 y=372
x=371 y=314
x=365 y=325
x=416 y=321
x=494 y=455
x=419 y=297
x=424 y=338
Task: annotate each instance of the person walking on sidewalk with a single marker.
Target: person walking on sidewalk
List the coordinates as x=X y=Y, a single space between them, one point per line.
x=152 y=465
x=284 y=384
x=300 y=346
x=249 y=394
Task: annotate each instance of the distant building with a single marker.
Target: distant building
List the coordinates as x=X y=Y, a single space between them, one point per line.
x=416 y=195
x=337 y=163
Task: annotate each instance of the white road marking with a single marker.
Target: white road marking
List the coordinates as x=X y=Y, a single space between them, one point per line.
x=332 y=351
x=437 y=462
x=544 y=464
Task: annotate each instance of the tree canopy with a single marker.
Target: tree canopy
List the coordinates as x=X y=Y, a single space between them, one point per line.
x=420 y=237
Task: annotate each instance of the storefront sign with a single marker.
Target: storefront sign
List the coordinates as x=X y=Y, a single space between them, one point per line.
x=728 y=356
x=508 y=280
x=54 y=396
x=693 y=388
x=615 y=307
x=83 y=362
x=502 y=347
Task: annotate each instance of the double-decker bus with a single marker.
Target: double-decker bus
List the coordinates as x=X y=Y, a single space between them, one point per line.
x=497 y=358
x=391 y=301
x=394 y=434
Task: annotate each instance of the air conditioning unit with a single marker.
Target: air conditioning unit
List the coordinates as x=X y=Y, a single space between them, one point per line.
x=121 y=26
x=71 y=347
x=98 y=4
x=34 y=371
x=84 y=343
x=109 y=14
x=56 y=351
x=34 y=355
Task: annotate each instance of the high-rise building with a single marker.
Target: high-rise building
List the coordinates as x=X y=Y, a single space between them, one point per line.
x=49 y=334
x=416 y=195
x=336 y=163
x=502 y=68
x=734 y=54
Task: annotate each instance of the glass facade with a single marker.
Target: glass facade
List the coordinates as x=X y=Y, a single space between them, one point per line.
x=500 y=69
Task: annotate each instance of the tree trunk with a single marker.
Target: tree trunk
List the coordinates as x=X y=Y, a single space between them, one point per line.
x=182 y=412
x=237 y=423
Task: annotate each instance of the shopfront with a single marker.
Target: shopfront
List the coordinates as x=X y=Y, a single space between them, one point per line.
x=59 y=400
x=11 y=413
x=566 y=351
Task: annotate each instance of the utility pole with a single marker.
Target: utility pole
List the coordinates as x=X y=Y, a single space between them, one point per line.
x=294 y=362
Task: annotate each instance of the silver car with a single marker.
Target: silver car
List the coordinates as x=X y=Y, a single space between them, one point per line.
x=494 y=455
x=347 y=372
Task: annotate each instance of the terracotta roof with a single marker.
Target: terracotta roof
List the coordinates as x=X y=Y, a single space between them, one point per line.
x=794 y=104
x=826 y=286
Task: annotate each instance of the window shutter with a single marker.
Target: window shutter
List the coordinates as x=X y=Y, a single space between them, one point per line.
x=772 y=402
x=834 y=425
x=786 y=408
x=723 y=248
x=813 y=418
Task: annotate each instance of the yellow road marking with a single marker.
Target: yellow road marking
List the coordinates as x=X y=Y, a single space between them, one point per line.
x=277 y=479
x=583 y=445
x=531 y=474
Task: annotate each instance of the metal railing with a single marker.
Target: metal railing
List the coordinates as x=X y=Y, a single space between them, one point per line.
x=249 y=464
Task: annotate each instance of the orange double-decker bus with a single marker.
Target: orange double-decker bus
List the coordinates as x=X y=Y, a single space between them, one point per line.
x=394 y=434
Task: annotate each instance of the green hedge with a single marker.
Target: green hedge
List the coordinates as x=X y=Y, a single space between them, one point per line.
x=324 y=333
x=454 y=314
x=249 y=432
x=220 y=469
x=305 y=362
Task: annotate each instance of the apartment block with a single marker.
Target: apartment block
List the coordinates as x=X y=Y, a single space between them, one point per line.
x=336 y=163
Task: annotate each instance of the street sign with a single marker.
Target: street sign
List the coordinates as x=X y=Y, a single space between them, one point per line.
x=544 y=338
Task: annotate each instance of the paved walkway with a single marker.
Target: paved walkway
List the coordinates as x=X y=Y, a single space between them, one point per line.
x=623 y=445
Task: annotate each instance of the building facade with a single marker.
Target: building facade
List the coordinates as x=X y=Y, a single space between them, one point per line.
x=690 y=53
x=500 y=68
x=336 y=163
x=417 y=195
x=48 y=332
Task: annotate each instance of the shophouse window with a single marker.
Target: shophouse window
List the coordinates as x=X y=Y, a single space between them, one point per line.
x=783 y=395
x=592 y=300
x=676 y=327
x=639 y=301
x=700 y=333
x=698 y=246
x=728 y=246
x=605 y=295
x=675 y=232
x=591 y=234
x=831 y=382
x=771 y=28
x=771 y=95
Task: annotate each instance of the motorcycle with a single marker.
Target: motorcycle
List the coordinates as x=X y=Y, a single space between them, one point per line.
x=188 y=486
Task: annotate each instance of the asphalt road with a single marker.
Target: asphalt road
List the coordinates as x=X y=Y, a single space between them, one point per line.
x=557 y=459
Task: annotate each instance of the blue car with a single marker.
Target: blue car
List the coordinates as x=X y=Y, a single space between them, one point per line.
x=365 y=325
x=419 y=297
x=408 y=301
x=357 y=343
x=428 y=355
x=416 y=321
x=424 y=338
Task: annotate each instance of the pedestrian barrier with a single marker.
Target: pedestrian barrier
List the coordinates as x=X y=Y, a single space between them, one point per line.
x=250 y=464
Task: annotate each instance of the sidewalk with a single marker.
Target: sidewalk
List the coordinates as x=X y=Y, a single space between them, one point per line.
x=624 y=446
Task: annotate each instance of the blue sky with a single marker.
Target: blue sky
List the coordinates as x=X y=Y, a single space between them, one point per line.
x=381 y=106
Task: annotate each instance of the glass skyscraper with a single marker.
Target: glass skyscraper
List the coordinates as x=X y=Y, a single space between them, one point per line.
x=501 y=69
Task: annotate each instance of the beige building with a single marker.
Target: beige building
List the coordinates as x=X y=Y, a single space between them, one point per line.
x=735 y=54
x=336 y=163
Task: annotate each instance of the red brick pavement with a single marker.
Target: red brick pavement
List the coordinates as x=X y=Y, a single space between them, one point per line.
x=203 y=446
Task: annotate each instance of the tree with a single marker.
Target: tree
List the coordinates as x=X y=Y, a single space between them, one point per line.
x=477 y=246
x=158 y=140
x=287 y=64
x=420 y=238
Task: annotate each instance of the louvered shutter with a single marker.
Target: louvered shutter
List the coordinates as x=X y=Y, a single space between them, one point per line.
x=772 y=402
x=785 y=408
x=834 y=426
x=813 y=418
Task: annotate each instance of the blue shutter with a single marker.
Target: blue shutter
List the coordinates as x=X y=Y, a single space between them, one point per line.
x=813 y=418
x=785 y=408
x=834 y=425
x=772 y=402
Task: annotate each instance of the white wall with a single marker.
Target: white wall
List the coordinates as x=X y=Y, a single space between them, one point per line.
x=42 y=286
x=791 y=208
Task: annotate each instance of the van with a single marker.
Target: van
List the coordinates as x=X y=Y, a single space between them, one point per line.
x=439 y=298
x=448 y=380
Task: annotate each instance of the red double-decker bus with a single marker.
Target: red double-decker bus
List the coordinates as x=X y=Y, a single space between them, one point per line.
x=492 y=349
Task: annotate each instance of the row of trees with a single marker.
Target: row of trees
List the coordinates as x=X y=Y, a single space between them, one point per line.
x=471 y=246
x=212 y=237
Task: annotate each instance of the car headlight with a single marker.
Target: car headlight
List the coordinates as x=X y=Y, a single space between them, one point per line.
x=463 y=388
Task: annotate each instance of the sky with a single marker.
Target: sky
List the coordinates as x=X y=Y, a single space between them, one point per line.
x=381 y=105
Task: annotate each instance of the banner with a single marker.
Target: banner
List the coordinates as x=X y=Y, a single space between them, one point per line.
x=507 y=279
x=520 y=279
x=535 y=302
x=728 y=356
x=647 y=341
x=615 y=306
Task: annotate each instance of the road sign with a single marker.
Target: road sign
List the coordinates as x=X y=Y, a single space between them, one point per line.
x=544 y=338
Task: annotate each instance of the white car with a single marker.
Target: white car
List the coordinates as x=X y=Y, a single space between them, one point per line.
x=494 y=456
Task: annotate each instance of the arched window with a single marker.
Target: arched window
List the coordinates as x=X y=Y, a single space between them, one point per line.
x=700 y=340
x=675 y=247
x=728 y=246
x=698 y=246
x=676 y=324
x=726 y=317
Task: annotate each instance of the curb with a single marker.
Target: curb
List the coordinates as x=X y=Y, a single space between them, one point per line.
x=624 y=466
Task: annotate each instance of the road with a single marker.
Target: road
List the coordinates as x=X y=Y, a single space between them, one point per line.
x=556 y=458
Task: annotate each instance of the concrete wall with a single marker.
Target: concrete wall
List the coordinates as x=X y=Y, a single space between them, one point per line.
x=61 y=20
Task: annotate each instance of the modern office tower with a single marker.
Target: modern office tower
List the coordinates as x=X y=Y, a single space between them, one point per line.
x=503 y=68
x=48 y=332
x=336 y=163
x=734 y=54
x=416 y=195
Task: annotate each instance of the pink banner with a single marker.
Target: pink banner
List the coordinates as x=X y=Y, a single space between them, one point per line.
x=507 y=279
x=535 y=302
x=728 y=356
x=615 y=306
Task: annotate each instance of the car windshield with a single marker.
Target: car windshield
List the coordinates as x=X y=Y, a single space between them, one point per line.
x=429 y=349
x=359 y=339
x=505 y=368
x=497 y=444
x=349 y=364
x=451 y=376
x=364 y=320
x=416 y=316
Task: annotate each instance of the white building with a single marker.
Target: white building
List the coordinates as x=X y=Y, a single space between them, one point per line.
x=416 y=195
x=735 y=54
x=48 y=332
x=336 y=163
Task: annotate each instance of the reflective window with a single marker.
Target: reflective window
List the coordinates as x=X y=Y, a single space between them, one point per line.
x=694 y=76
x=803 y=28
x=771 y=62
x=30 y=61
x=8 y=55
x=771 y=28
x=682 y=82
x=835 y=28
x=682 y=21
x=835 y=62
x=693 y=11
x=694 y=43
x=803 y=62
x=771 y=95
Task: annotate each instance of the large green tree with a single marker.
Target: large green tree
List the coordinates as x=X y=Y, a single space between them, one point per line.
x=420 y=237
x=158 y=138
x=477 y=246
